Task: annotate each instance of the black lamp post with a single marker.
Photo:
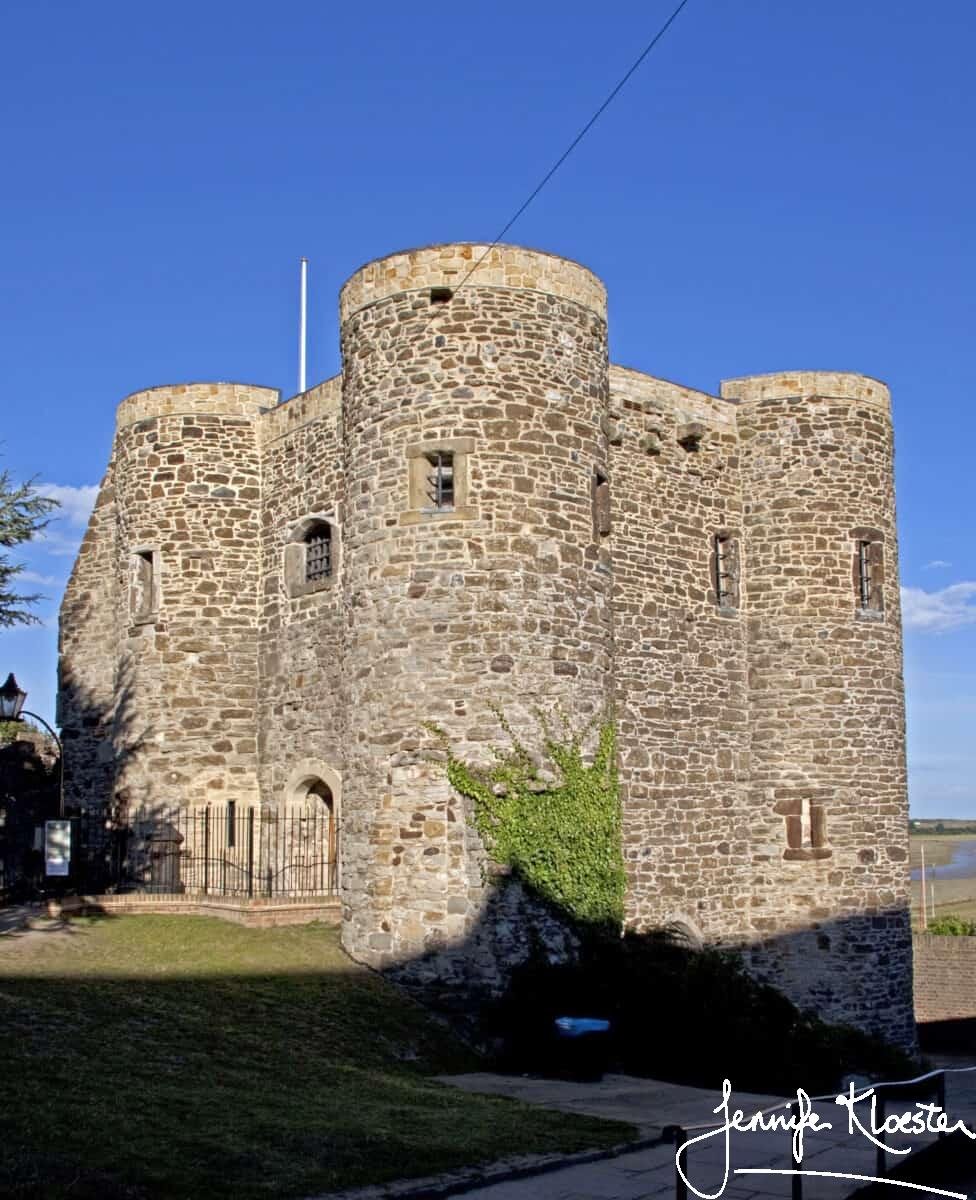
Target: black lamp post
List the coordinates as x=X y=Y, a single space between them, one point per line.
x=12 y=709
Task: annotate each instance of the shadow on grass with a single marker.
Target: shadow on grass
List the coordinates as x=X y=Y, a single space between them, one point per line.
x=177 y=1056
x=181 y=1056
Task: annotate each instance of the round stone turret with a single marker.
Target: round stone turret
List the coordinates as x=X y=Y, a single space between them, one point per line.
x=474 y=572
x=829 y=802
x=187 y=493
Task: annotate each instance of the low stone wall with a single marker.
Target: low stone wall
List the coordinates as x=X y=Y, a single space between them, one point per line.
x=945 y=977
x=259 y=914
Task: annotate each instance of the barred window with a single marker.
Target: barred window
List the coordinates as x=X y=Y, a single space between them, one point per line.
x=725 y=569
x=312 y=552
x=868 y=571
x=440 y=479
x=318 y=553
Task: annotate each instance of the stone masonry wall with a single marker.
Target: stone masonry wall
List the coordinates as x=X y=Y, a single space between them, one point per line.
x=829 y=923
x=502 y=600
x=761 y=741
x=451 y=264
x=301 y=724
x=945 y=977
x=680 y=668
x=188 y=491
x=88 y=661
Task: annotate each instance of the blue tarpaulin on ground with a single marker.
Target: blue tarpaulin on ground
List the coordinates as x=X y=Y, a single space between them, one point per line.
x=571 y=1027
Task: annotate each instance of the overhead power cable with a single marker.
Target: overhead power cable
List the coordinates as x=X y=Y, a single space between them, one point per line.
x=576 y=140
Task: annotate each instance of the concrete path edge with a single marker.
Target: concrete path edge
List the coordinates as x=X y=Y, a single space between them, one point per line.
x=439 y=1187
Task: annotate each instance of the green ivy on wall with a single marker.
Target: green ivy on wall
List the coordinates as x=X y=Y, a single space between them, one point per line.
x=557 y=829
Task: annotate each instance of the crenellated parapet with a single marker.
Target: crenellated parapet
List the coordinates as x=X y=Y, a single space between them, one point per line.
x=320 y=403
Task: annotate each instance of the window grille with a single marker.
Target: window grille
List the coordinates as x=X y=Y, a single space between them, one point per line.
x=318 y=553
x=440 y=480
x=868 y=571
x=726 y=569
x=864 y=573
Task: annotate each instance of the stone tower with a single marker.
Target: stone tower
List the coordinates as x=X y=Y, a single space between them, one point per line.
x=501 y=596
x=274 y=600
x=826 y=702
x=171 y=600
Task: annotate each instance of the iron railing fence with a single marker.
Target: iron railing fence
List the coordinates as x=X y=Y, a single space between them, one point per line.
x=219 y=850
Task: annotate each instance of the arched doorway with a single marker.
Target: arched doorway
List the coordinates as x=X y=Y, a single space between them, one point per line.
x=321 y=809
x=312 y=800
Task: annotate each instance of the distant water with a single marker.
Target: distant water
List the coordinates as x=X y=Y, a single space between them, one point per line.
x=961 y=866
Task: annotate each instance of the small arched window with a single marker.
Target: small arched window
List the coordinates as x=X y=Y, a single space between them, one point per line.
x=318 y=552
x=311 y=555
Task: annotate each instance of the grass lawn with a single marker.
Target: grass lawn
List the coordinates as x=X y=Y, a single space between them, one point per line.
x=954 y=898
x=187 y=1057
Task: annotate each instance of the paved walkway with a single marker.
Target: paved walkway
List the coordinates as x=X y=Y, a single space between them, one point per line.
x=649 y=1174
x=647 y=1104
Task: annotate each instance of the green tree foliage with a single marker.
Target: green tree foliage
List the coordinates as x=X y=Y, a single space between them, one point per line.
x=952 y=926
x=556 y=825
x=23 y=514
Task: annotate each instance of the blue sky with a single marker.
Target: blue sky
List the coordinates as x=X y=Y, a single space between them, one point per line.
x=782 y=185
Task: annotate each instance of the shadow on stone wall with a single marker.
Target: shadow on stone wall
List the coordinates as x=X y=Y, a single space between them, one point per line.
x=678 y=1011
x=101 y=744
